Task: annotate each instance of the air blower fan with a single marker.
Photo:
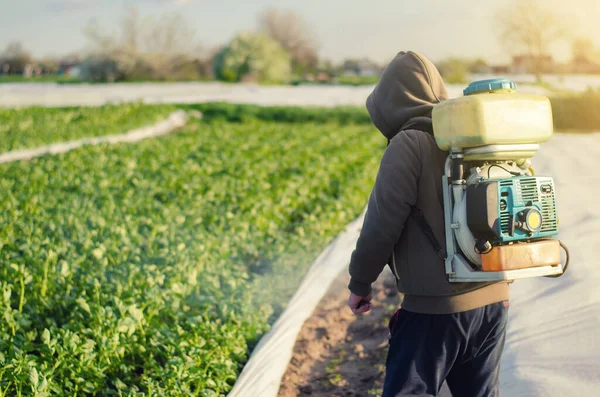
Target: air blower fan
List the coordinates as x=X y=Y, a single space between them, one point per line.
x=501 y=219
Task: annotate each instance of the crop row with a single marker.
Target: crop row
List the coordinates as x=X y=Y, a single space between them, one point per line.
x=153 y=268
x=32 y=127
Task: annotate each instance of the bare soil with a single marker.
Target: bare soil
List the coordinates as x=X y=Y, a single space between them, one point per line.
x=338 y=353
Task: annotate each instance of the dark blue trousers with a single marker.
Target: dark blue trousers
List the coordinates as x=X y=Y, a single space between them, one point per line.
x=463 y=349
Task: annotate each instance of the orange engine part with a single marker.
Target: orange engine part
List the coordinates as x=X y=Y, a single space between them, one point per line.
x=522 y=256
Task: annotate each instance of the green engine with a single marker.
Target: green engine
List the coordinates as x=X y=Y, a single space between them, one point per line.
x=512 y=209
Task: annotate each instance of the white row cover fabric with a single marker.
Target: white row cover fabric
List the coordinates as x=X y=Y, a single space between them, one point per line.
x=177 y=119
x=262 y=374
x=54 y=95
x=553 y=341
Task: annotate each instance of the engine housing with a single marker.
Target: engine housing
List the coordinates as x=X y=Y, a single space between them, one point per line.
x=512 y=209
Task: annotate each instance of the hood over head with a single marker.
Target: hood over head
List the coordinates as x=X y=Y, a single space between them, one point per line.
x=409 y=88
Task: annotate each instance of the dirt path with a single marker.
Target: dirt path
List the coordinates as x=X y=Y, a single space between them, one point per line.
x=338 y=354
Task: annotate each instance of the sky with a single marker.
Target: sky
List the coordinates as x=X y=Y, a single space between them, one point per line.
x=377 y=29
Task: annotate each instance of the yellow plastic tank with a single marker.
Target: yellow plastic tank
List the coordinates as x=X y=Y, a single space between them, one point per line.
x=492 y=112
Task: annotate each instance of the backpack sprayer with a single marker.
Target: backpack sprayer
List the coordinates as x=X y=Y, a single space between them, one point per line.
x=500 y=218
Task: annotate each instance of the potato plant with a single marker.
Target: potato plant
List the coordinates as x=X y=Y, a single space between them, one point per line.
x=153 y=268
x=32 y=127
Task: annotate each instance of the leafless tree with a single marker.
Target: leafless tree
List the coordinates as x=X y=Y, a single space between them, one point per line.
x=294 y=34
x=148 y=47
x=530 y=26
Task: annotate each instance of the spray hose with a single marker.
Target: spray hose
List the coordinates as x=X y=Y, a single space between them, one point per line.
x=566 y=265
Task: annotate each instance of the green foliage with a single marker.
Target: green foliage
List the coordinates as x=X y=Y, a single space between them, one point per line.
x=153 y=268
x=32 y=127
x=454 y=70
x=357 y=80
x=16 y=78
x=253 y=56
x=284 y=114
x=576 y=112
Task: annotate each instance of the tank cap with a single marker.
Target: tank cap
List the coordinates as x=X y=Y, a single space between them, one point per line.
x=489 y=85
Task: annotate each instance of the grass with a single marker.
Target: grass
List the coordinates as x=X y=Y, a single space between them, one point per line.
x=13 y=78
x=357 y=80
x=576 y=112
x=153 y=268
x=343 y=115
x=32 y=127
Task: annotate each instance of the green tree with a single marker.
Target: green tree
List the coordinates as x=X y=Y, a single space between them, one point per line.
x=454 y=70
x=15 y=58
x=253 y=56
x=295 y=35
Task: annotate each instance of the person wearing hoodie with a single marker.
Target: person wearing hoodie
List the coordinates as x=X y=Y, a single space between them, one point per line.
x=443 y=331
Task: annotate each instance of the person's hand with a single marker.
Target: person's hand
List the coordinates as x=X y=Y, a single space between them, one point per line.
x=359 y=304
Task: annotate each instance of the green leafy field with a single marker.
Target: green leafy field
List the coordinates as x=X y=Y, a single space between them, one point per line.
x=32 y=127
x=13 y=78
x=153 y=268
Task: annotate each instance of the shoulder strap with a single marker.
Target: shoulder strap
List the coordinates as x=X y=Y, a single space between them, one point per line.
x=416 y=213
x=418 y=216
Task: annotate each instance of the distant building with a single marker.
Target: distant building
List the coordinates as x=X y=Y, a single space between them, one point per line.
x=323 y=77
x=585 y=64
x=527 y=64
x=69 y=66
x=500 y=69
x=28 y=70
x=361 y=67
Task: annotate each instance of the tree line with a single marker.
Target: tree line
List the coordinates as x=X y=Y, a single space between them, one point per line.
x=163 y=48
x=283 y=49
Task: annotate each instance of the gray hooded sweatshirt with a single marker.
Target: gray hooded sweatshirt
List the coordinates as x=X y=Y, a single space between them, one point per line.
x=410 y=175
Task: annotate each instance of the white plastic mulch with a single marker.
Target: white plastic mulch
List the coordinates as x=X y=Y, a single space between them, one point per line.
x=553 y=344
x=54 y=95
x=263 y=373
x=175 y=120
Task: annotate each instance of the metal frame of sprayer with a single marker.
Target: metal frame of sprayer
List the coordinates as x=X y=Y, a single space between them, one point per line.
x=458 y=267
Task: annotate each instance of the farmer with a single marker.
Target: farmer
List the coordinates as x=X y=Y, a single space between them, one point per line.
x=443 y=331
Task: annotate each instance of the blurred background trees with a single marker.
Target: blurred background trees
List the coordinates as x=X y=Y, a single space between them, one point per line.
x=529 y=26
x=283 y=49
x=253 y=57
x=295 y=35
x=14 y=59
x=459 y=70
x=146 y=49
